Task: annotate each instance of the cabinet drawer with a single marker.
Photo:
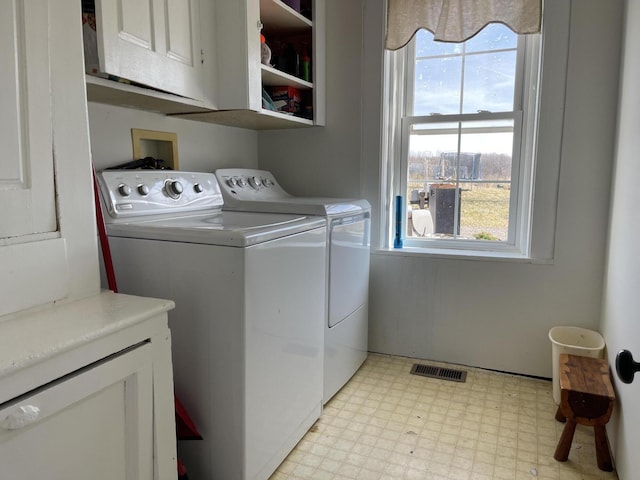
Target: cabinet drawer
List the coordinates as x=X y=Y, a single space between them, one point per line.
x=94 y=423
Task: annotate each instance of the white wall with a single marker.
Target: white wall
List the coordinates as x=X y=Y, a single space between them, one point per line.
x=488 y=314
x=201 y=146
x=621 y=304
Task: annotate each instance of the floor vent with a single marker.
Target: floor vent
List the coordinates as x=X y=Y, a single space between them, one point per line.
x=437 y=372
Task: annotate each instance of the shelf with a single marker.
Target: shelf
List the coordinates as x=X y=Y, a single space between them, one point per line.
x=273 y=77
x=101 y=90
x=276 y=15
x=281 y=22
x=262 y=120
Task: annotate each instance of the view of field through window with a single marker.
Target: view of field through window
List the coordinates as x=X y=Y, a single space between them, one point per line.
x=481 y=173
x=461 y=137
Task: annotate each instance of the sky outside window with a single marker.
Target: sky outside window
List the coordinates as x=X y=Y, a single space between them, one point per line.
x=453 y=78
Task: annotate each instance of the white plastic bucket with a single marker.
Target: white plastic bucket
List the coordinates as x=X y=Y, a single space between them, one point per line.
x=574 y=341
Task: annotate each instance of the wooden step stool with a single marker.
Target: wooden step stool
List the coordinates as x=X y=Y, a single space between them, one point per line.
x=586 y=397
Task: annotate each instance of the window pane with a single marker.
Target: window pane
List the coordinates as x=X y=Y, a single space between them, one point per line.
x=426 y=151
x=460 y=176
x=494 y=36
x=437 y=87
x=484 y=211
x=489 y=82
x=493 y=141
x=481 y=71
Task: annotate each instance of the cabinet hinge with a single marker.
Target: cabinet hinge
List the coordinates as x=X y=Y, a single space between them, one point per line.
x=202 y=56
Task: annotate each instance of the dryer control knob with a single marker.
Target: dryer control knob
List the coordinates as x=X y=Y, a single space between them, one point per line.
x=198 y=188
x=267 y=182
x=173 y=188
x=232 y=182
x=143 y=189
x=255 y=182
x=124 y=189
x=242 y=182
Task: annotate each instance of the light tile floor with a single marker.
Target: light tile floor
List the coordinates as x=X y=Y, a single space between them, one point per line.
x=386 y=424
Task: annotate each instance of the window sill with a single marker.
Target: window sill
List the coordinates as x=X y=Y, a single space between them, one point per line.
x=453 y=254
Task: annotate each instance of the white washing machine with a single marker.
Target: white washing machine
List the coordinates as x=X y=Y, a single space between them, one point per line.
x=247 y=337
x=348 y=247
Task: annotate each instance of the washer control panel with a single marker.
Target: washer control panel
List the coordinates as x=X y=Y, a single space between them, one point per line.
x=128 y=193
x=247 y=184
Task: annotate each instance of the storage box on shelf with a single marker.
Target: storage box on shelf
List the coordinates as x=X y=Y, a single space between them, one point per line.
x=286 y=99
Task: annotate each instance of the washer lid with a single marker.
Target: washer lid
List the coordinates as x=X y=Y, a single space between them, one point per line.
x=233 y=229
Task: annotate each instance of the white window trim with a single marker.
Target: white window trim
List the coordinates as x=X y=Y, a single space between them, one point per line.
x=538 y=226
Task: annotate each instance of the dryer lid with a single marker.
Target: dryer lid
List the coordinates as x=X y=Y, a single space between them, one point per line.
x=254 y=190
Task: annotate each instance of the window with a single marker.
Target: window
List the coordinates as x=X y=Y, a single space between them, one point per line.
x=462 y=120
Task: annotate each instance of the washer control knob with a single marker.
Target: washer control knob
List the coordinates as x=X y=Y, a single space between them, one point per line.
x=255 y=182
x=232 y=182
x=198 y=188
x=267 y=182
x=124 y=189
x=143 y=189
x=173 y=188
x=242 y=182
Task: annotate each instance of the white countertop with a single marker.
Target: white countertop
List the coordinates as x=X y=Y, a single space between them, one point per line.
x=36 y=335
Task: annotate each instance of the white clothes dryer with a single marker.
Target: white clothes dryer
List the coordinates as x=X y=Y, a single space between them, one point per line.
x=247 y=336
x=347 y=276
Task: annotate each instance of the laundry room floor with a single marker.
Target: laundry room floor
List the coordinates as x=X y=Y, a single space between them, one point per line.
x=387 y=424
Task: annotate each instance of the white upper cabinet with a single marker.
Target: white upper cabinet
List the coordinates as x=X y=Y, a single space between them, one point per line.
x=154 y=43
x=48 y=248
x=237 y=77
x=203 y=59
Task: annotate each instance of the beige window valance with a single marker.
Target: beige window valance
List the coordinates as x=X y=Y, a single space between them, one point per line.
x=457 y=20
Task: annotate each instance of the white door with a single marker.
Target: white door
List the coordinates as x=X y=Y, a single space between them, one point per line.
x=156 y=43
x=621 y=325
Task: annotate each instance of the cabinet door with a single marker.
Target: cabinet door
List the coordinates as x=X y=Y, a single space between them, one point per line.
x=156 y=43
x=95 y=423
x=26 y=163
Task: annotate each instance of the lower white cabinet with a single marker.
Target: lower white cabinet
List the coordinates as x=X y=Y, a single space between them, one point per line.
x=90 y=396
x=94 y=423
